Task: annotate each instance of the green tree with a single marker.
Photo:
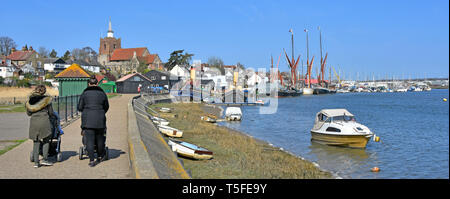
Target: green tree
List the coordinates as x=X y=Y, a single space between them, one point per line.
x=178 y=58
x=66 y=56
x=142 y=67
x=53 y=54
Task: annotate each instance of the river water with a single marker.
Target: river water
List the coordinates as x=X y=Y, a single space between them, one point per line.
x=413 y=128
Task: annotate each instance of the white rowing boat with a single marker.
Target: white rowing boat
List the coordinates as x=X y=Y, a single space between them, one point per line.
x=159 y=121
x=190 y=150
x=165 y=110
x=170 y=131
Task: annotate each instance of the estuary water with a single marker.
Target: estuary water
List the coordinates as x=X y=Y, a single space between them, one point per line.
x=413 y=128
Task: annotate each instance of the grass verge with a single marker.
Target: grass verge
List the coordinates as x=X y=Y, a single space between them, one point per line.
x=12 y=108
x=236 y=155
x=13 y=144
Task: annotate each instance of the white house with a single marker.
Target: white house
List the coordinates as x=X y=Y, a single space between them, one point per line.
x=253 y=79
x=55 y=65
x=84 y=64
x=219 y=81
x=28 y=68
x=180 y=71
x=6 y=69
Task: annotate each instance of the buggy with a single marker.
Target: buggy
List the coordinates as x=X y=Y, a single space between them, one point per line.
x=55 y=141
x=83 y=150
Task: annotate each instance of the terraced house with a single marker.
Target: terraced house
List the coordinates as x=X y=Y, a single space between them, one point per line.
x=27 y=60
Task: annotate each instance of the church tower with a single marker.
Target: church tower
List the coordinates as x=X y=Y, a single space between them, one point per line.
x=107 y=46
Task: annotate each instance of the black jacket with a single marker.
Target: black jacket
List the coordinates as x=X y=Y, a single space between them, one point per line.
x=93 y=104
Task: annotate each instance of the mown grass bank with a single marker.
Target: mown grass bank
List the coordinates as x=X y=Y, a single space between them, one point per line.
x=6 y=145
x=16 y=108
x=236 y=155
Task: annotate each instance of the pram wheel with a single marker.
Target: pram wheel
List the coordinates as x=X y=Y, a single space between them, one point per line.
x=31 y=157
x=80 y=153
x=59 y=157
x=106 y=153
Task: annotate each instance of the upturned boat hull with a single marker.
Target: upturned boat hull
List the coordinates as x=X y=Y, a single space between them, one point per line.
x=352 y=141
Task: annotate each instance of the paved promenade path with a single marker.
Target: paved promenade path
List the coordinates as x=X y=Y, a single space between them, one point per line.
x=14 y=126
x=16 y=163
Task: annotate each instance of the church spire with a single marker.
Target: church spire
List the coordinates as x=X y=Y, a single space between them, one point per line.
x=110 y=32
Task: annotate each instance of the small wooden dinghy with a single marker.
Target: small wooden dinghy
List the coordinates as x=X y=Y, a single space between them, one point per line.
x=159 y=121
x=165 y=110
x=208 y=119
x=169 y=131
x=190 y=150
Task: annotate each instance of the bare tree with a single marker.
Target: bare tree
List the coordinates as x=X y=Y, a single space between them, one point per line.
x=86 y=54
x=6 y=44
x=216 y=62
x=43 y=52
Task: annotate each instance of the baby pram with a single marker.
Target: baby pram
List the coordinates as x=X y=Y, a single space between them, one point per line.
x=55 y=141
x=83 y=150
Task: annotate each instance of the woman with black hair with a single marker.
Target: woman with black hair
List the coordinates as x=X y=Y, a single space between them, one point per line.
x=93 y=105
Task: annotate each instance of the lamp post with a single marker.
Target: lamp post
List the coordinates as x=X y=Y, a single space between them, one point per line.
x=201 y=84
x=191 y=97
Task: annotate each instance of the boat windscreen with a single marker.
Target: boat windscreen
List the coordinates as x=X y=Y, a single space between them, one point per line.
x=344 y=118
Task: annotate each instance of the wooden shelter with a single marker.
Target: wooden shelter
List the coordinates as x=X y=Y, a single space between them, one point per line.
x=72 y=81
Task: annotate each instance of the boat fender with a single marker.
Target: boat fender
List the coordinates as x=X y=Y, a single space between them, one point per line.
x=377 y=139
x=375 y=169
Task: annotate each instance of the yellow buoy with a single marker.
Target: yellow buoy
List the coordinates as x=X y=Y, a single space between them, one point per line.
x=445 y=99
x=377 y=139
x=375 y=169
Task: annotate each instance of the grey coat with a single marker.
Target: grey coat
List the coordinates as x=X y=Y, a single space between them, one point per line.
x=39 y=107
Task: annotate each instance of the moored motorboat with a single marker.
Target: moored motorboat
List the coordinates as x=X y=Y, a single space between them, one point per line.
x=170 y=131
x=233 y=114
x=259 y=102
x=308 y=91
x=321 y=90
x=401 y=90
x=289 y=93
x=190 y=150
x=338 y=127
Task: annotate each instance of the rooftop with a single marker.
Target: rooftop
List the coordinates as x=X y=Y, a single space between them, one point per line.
x=73 y=71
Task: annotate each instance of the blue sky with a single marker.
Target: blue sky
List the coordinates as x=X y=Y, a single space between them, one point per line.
x=368 y=38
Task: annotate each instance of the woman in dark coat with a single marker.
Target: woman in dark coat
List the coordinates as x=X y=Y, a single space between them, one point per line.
x=39 y=107
x=94 y=104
